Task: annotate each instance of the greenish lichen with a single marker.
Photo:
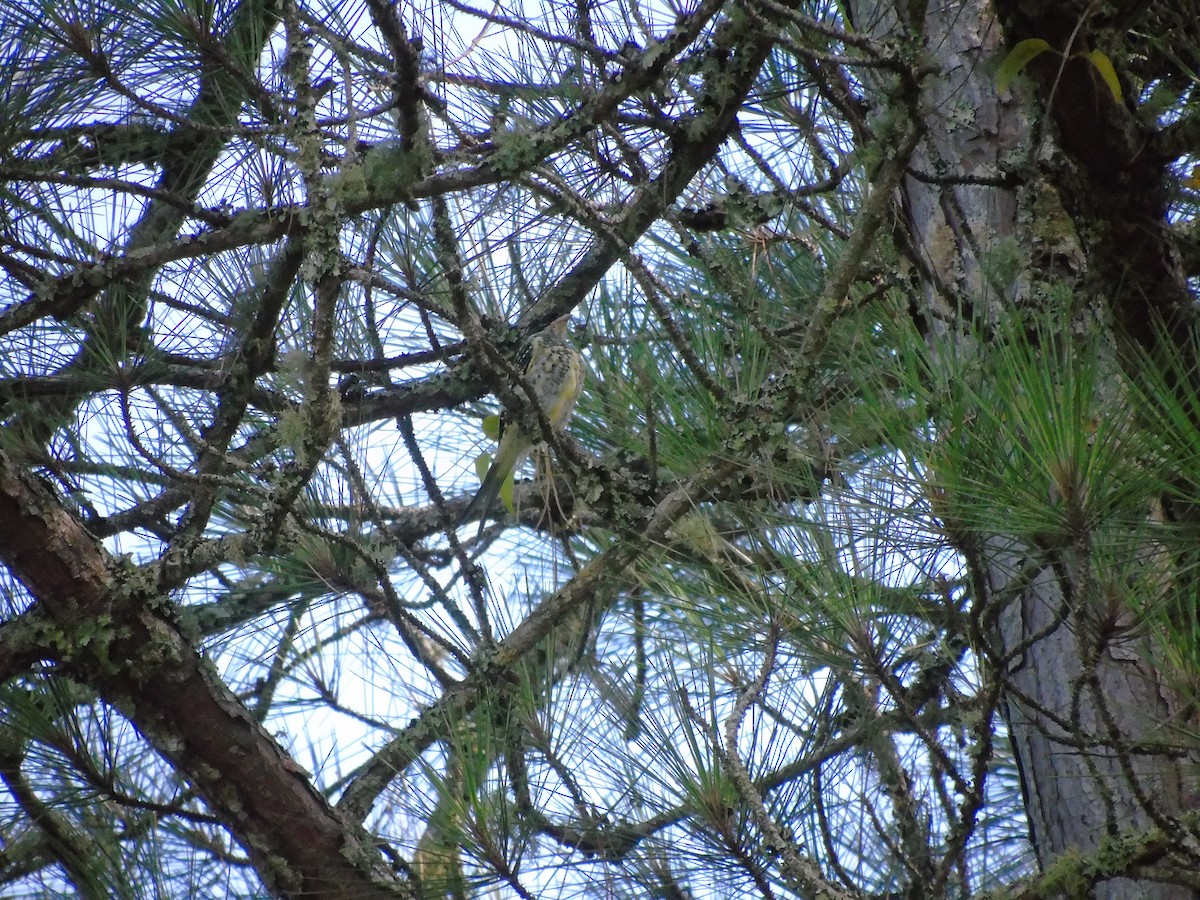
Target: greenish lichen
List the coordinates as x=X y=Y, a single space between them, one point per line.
x=515 y=153
x=386 y=173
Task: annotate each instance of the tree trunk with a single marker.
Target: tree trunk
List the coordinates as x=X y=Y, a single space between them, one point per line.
x=1086 y=706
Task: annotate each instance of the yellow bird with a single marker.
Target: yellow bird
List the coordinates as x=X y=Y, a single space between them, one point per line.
x=555 y=373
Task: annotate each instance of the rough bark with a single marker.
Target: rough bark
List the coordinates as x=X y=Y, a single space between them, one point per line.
x=1085 y=703
x=109 y=631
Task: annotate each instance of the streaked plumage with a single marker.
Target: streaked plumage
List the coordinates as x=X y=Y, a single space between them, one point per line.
x=555 y=373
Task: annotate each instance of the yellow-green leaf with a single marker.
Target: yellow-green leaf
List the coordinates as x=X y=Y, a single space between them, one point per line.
x=506 y=493
x=1018 y=58
x=491 y=427
x=1105 y=67
x=483 y=462
x=1193 y=181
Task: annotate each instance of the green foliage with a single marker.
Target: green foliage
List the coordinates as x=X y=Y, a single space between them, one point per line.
x=1024 y=52
x=1030 y=441
x=1103 y=65
x=1017 y=59
x=747 y=638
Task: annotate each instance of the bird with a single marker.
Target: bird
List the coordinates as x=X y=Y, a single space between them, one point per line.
x=555 y=374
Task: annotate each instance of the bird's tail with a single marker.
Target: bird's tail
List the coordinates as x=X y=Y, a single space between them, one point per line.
x=485 y=498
